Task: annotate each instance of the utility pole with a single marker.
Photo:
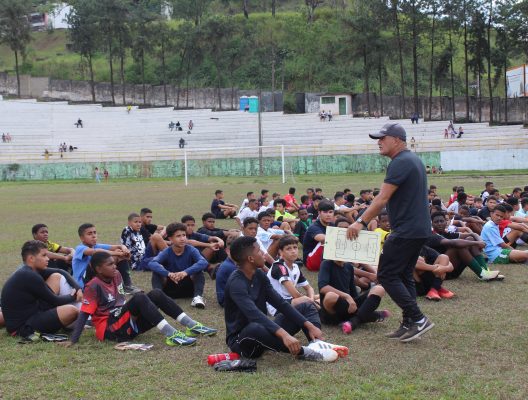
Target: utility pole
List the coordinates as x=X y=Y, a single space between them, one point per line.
x=261 y=161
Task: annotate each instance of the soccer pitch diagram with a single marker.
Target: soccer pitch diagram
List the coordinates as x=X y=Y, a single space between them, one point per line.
x=365 y=250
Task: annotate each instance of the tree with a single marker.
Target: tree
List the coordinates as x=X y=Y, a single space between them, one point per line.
x=434 y=11
x=312 y=5
x=477 y=47
x=15 y=29
x=395 y=12
x=451 y=9
x=84 y=33
x=192 y=10
x=488 y=57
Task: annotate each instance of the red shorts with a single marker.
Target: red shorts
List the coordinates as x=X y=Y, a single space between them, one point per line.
x=313 y=260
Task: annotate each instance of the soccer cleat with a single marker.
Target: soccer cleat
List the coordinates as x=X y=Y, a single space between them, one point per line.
x=445 y=294
x=383 y=315
x=180 y=339
x=433 y=295
x=342 y=351
x=242 y=365
x=486 y=275
x=200 y=329
x=321 y=355
x=198 y=302
x=131 y=290
x=416 y=329
x=346 y=327
x=398 y=333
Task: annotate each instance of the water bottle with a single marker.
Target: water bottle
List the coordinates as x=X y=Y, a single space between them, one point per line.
x=212 y=359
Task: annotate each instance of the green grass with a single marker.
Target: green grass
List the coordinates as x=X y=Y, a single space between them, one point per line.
x=476 y=351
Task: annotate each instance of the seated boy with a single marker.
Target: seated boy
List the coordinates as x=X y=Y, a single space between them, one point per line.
x=281 y=215
x=88 y=247
x=463 y=249
x=37 y=298
x=383 y=226
x=314 y=239
x=304 y=223
x=286 y=277
x=269 y=237
x=59 y=256
x=497 y=250
x=208 y=227
x=251 y=210
x=220 y=208
x=251 y=226
x=147 y=227
x=430 y=273
x=178 y=270
x=119 y=320
x=132 y=239
x=340 y=302
x=249 y=332
x=224 y=271
x=291 y=202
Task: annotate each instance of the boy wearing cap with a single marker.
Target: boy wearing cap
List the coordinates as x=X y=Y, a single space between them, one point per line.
x=403 y=193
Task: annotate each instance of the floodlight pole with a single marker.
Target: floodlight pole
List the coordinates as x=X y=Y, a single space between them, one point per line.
x=261 y=161
x=282 y=162
x=185 y=167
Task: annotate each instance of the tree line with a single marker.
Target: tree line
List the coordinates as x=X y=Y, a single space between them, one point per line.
x=408 y=48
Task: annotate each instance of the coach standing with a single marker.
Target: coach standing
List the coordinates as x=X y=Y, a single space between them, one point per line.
x=404 y=193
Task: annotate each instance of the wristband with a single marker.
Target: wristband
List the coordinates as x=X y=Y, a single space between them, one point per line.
x=360 y=220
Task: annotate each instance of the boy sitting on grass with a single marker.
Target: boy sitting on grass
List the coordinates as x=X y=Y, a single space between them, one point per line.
x=178 y=270
x=59 y=256
x=430 y=273
x=497 y=250
x=383 y=226
x=249 y=332
x=117 y=320
x=132 y=239
x=281 y=215
x=89 y=246
x=37 y=298
x=286 y=277
x=221 y=209
x=340 y=301
x=304 y=223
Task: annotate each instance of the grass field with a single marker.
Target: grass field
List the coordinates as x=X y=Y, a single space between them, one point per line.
x=478 y=349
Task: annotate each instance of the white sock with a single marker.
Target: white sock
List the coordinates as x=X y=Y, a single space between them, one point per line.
x=166 y=328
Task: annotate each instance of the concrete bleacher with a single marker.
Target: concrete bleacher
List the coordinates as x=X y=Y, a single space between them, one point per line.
x=143 y=134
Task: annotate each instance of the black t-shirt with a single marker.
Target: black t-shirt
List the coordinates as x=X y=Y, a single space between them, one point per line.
x=435 y=242
x=408 y=208
x=340 y=278
x=216 y=232
x=315 y=213
x=26 y=293
x=484 y=213
x=214 y=206
x=309 y=241
x=147 y=231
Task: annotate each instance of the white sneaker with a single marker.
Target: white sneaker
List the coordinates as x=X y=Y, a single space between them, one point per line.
x=490 y=275
x=342 y=351
x=322 y=355
x=198 y=302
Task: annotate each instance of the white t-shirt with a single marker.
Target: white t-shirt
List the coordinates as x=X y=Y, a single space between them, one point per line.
x=265 y=236
x=453 y=207
x=279 y=273
x=246 y=213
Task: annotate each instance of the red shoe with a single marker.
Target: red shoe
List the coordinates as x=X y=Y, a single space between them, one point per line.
x=432 y=294
x=346 y=328
x=445 y=294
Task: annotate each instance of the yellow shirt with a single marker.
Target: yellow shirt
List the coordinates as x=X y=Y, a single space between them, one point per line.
x=383 y=234
x=53 y=247
x=286 y=215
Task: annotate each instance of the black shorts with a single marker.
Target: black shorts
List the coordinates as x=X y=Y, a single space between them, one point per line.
x=425 y=284
x=430 y=255
x=44 y=322
x=220 y=215
x=341 y=314
x=181 y=290
x=120 y=328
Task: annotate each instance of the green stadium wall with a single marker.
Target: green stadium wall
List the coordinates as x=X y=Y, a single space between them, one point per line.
x=300 y=165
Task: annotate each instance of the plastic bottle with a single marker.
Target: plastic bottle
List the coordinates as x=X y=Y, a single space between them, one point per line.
x=212 y=359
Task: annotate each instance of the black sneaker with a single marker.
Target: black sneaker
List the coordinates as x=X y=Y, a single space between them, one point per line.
x=416 y=330
x=398 y=333
x=242 y=365
x=131 y=290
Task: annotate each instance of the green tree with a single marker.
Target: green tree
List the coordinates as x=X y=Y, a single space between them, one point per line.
x=477 y=47
x=192 y=10
x=84 y=33
x=15 y=29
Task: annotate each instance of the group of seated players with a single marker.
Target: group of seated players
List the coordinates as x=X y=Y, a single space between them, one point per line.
x=257 y=268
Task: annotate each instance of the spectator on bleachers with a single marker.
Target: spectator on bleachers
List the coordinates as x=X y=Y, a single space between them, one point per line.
x=105 y=174
x=71 y=148
x=329 y=115
x=3 y=137
x=414 y=117
x=79 y=123
x=182 y=143
x=129 y=108
x=178 y=126
x=446 y=134
x=8 y=137
x=46 y=154
x=191 y=125
x=171 y=125
x=460 y=132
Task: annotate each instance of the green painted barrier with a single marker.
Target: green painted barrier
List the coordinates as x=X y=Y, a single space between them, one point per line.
x=310 y=165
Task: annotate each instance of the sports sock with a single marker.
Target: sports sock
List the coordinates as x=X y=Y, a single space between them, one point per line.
x=185 y=320
x=475 y=266
x=437 y=283
x=482 y=261
x=166 y=328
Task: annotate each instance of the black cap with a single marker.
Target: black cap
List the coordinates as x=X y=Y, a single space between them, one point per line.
x=391 y=129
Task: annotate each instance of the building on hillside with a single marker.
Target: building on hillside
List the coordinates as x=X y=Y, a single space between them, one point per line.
x=55 y=19
x=337 y=103
x=517 y=80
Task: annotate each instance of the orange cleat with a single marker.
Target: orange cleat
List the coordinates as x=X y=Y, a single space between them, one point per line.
x=433 y=295
x=445 y=294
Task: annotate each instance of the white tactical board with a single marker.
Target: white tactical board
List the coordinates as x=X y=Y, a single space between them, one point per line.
x=365 y=250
